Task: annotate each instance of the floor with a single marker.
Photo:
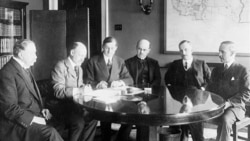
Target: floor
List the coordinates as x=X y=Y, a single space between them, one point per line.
x=209 y=133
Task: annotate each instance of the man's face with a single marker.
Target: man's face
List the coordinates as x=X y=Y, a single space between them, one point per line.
x=143 y=49
x=78 y=55
x=109 y=49
x=225 y=54
x=186 y=51
x=28 y=55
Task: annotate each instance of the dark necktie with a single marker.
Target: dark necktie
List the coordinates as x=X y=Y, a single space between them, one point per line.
x=77 y=74
x=185 y=65
x=109 y=65
x=225 y=67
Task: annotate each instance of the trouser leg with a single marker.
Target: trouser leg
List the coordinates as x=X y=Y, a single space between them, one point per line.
x=225 y=125
x=89 y=130
x=106 y=131
x=76 y=127
x=124 y=132
x=38 y=132
x=184 y=132
x=196 y=130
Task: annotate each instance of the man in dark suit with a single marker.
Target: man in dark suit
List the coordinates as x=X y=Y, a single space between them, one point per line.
x=107 y=70
x=23 y=117
x=188 y=72
x=231 y=81
x=68 y=85
x=145 y=72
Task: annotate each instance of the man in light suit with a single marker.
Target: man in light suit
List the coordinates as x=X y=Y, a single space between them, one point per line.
x=145 y=72
x=107 y=70
x=188 y=73
x=231 y=81
x=22 y=115
x=68 y=84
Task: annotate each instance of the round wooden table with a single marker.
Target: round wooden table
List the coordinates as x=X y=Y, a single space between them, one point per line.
x=165 y=106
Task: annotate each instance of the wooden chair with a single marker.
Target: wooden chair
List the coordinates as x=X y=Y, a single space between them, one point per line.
x=241 y=124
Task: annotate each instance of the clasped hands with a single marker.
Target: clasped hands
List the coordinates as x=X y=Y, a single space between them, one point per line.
x=143 y=108
x=114 y=84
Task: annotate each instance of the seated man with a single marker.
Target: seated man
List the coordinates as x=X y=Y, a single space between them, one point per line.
x=68 y=84
x=107 y=70
x=188 y=72
x=231 y=81
x=22 y=113
x=145 y=72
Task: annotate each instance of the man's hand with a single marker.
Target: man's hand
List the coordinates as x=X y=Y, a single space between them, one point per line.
x=102 y=85
x=143 y=108
x=46 y=114
x=118 y=83
x=227 y=104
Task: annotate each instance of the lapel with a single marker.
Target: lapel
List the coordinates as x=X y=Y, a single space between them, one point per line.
x=102 y=65
x=70 y=68
x=23 y=75
x=114 y=68
x=134 y=67
x=228 y=73
x=150 y=68
x=196 y=68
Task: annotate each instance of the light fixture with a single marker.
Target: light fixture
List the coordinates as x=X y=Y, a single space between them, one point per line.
x=146 y=8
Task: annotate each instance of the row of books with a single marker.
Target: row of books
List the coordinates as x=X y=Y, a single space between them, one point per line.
x=4 y=60
x=9 y=14
x=10 y=30
x=6 y=44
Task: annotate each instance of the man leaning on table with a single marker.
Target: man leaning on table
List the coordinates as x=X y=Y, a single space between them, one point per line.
x=231 y=81
x=188 y=72
x=68 y=84
x=107 y=70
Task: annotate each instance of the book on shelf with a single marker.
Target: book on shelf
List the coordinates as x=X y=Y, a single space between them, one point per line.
x=6 y=45
x=9 y=14
x=4 y=60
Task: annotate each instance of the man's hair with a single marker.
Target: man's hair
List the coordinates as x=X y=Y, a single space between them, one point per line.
x=230 y=45
x=109 y=40
x=74 y=45
x=184 y=41
x=21 y=45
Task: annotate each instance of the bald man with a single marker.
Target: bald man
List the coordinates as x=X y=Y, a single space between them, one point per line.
x=145 y=72
x=67 y=83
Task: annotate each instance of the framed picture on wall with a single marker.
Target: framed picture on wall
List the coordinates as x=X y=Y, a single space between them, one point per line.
x=206 y=24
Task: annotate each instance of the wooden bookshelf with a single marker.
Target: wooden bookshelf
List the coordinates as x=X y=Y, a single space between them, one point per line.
x=12 y=27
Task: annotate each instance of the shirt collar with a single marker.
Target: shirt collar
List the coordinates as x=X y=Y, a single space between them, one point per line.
x=229 y=63
x=107 y=58
x=189 y=61
x=71 y=62
x=19 y=61
x=139 y=59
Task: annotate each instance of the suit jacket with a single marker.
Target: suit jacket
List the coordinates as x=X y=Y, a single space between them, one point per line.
x=199 y=68
x=64 y=79
x=97 y=71
x=20 y=101
x=232 y=84
x=153 y=66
